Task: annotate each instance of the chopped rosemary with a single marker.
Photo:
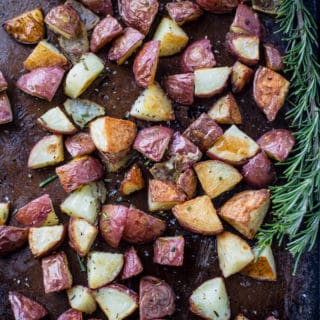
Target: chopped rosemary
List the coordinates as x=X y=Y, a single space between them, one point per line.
x=81 y=264
x=119 y=199
x=47 y=181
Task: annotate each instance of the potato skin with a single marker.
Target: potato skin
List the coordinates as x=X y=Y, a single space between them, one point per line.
x=71 y=314
x=80 y=144
x=3 y=82
x=5 y=109
x=183 y=11
x=132 y=264
x=187 y=182
x=218 y=6
x=12 y=239
x=240 y=76
x=102 y=7
x=273 y=57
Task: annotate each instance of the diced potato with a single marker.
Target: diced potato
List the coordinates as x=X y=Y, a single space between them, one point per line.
x=4 y=212
x=274 y=60
x=83 y=74
x=5 y=109
x=210 y=300
x=187 y=181
x=71 y=314
x=234 y=147
x=199 y=216
x=226 y=110
x=269 y=7
x=80 y=144
x=240 y=317
x=43 y=240
x=119 y=162
x=133 y=181
x=103 y=267
x=85 y=202
x=183 y=11
x=240 y=76
x=233 y=252
x=216 y=177
x=3 y=82
x=132 y=264
x=172 y=38
x=100 y=7
x=153 y=105
x=218 y=6
x=81 y=299
x=12 y=239
x=210 y=81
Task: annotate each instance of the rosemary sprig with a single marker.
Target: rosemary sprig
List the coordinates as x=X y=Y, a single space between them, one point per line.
x=81 y=264
x=47 y=181
x=295 y=203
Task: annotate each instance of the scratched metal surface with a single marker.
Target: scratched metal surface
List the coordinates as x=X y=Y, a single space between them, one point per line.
x=289 y=298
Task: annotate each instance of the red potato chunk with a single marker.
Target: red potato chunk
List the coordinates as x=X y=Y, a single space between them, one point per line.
x=24 y=308
x=112 y=223
x=273 y=57
x=41 y=82
x=132 y=264
x=138 y=14
x=104 y=32
x=133 y=181
x=80 y=144
x=3 y=82
x=218 y=6
x=203 y=132
x=197 y=55
x=180 y=88
x=78 y=172
x=152 y=142
x=169 y=251
x=71 y=314
x=187 y=182
x=56 y=273
x=102 y=7
x=183 y=11
x=12 y=239
x=5 y=109
x=277 y=143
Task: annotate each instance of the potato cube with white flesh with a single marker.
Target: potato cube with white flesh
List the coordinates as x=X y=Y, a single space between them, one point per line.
x=4 y=212
x=210 y=81
x=246 y=210
x=55 y=121
x=116 y=301
x=172 y=38
x=103 y=267
x=81 y=299
x=234 y=147
x=234 y=253
x=81 y=235
x=85 y=202
x=216 y=177
x=210 y=300
x=83 y=74
x=240 y=76
x=264 y=267
x=46 y=152
x=198 y=215
x=153 y=105
x=43 y=240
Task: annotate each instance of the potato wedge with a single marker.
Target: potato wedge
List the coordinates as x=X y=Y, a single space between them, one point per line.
x=210 y=300
x=43 y=240
x=172 y=38
x=153 y=105
x=81 y=235
x=85 y=202
x=218 y=6
x=3 y=82
x=26 y=28
x=216 y=177
x=240 y=76
x=101 y=7
x=233 y=253
x=4 y=212
x=210 y=81
x=81 y=299
x=80 y=144
x=103 y=267
x=187 y=182
x=12 y=239
x=71 y=314
x=274 y=60
x=6 y=115
x=234 y=147
x=133 y=181
x=132 y=264
x=183 y=11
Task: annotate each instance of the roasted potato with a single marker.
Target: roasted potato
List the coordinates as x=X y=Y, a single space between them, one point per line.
x=198 y=215
x=81 y=299
x=216 y=177
x=61 y=278
x=172 y=38
x=4 y=212
x=12 y=239
x=234 y=147
x=153 y=105
x=218 y=6
x=37 y=213
x=26 y=28
x=116 y=161
x=101 y=7
x=166 y=171
x=3 y=82
x=277 y=143
x=104 y=32
x=103 y=268
x=132 y=264
x=80 y=144
x=210 y=81
x=125 y=45
x=6 y=115
x=183 y=11
x=187 y=182
x=133 y=181
x=71 y=314
x=240 y=76
x=270 y=90
x=145 y=63
x=240 y=317
x=273 y=57
x=233 y=253
x=210 y=300
x=269 y=7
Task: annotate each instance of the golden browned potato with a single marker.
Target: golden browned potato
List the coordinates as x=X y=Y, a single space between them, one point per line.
x=270 y=90
x=273 y=57
x=4 y=212
x=218 y=6
x=26 y=28
x=183 y=11
x=240 y=76
x=133 y=181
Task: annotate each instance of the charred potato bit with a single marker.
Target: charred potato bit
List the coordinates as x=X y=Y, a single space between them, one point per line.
x=3 y=82
x=218 y=6
x=133 y=181
x=101 y=7
x=80 y=144
x=4 y=212
x=187 y=182
x=183 y=11
x=240 y=76
x=273 y=57
x=132 y=264
x=81 y=299
x=12 y=239
x=5 y=109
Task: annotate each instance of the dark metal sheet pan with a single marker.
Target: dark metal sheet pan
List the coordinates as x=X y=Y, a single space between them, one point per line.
x=290 y=297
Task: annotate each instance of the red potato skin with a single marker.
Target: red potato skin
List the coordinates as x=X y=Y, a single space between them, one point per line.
x=180 y=88
x=277 y=143
x=5 y=109
x=34 y=213
x=169 y=251
x=145 y=63
x=132 y=264
x=12 y=239
x=152 y=142
x=273 y=57
x=112 y=223
x=187 y=182
x=78 y=172
x=41 y=82
x=104 y=32
x=71 y=314
x=23 y=308
x=142 y=228
x=3 y=82
x=197 y=55
x=80 y=144
x=102 y=7
x=183 y=11
x=218 y=6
